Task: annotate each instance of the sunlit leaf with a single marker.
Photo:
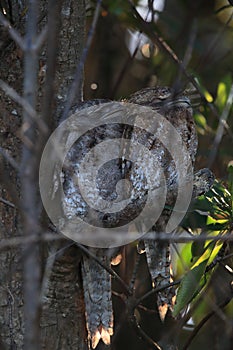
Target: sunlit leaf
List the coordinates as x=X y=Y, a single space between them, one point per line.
x=216 y=224
x=215 y=252
x=192 y=282
x=200 y=120
x=183 y=260
x=208 y=96
x=221 y=96
x=201 y=123
x=222 y=92
x=188 y=287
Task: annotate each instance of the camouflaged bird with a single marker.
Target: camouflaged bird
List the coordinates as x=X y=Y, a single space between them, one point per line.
x=176 y=108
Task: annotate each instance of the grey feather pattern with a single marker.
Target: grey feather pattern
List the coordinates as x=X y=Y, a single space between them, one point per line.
x=96 y=280
x=177 y=110
x=97 y=295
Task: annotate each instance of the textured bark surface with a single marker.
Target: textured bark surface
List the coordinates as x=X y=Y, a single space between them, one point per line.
x=62 y=321
x=70 y=49
x=62 y=312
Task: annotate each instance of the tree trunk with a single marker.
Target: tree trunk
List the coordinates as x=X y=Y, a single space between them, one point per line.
x=38 y=283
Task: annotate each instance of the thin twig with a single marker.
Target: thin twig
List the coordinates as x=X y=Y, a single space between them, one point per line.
x=188 y=54
x=17 y=241
x=128 y=61
x=209 y=52
x=24 y=103
x=9 y=159
x=220 y=129
x=5 y=179
x=78 y=74
x=4 y=201
x=155 y=291
x=29 y=187
x=13 y=33
x=40 y=39
x=142 y=334
x=148 y=28
x=201 y=324
x=47 y=237
x=108 y=269
x=54 y=23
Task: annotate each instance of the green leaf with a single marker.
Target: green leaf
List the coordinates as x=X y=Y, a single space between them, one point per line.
x=223 y=92
x=183 y=259
x=215 y=252
x=201 y=123
x=197 y=248
x=207 y=253
x=191 y=282
x=216 y=224
x=188 y=287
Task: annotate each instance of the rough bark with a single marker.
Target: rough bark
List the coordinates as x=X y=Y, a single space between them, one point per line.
x=58 y=316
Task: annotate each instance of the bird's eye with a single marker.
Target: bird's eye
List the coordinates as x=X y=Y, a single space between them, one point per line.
x=164 y=97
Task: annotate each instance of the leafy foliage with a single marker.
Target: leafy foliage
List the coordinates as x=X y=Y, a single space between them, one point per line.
x=213 y=214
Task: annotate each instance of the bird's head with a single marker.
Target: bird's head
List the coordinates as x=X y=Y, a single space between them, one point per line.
x=161 y=98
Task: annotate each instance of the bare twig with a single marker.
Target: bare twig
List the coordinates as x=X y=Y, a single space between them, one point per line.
x=212 y=45
x=128 y=61
x=47 y=237
x=13 y=33
x=108 y=269
x=5 y=179
x=18 y=241
x=9 y=159
x=188 y=53
x=29 y=187
x=148 y=28
x=78 y=74
x=155 y=291
x=201 y=324
x=220 y=129
x=4 y=201
x=142 y=334
x=40 y=39
x=25 y=104
x=54 y=23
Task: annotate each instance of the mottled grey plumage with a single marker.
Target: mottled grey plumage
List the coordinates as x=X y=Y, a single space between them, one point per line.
x=176 y=108
x=96 y=281
x=98 y=298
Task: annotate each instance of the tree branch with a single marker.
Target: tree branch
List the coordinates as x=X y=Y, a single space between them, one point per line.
x=108 y=269
x=76 y=85
x=31 y=113
x=201 y=324
x=13 y=33
x=9 y=159
x=29 y=187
